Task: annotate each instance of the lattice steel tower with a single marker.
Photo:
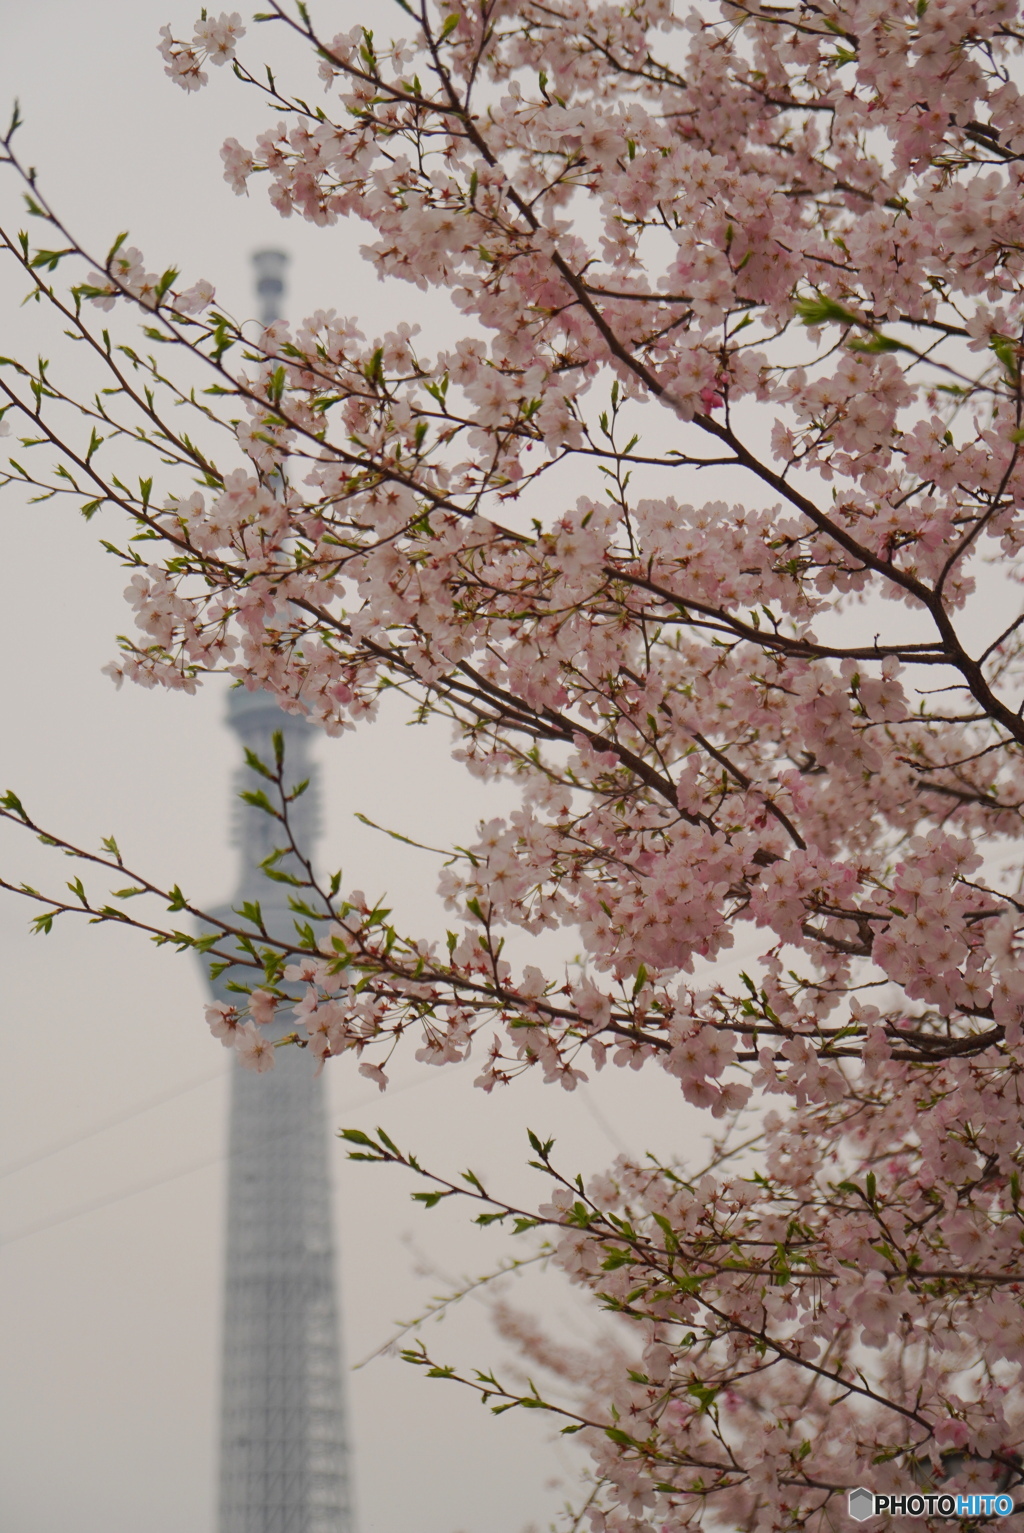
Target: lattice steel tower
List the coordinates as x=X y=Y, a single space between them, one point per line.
x=283 y=1456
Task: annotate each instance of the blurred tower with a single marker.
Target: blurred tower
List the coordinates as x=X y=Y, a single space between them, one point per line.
x=269 y=266
x=283 y=1454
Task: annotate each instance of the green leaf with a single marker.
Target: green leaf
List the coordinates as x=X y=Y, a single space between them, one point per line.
x=690 y=1283
x=671 y=1239
x=49 y=259
x=356 y=1136
x=450 y=23
x=253 y=761
x=704 y=1394
x=877 y=344
x=823 y=311
x=1006 y=351
x=115 y=247
x=169 y=276
x=429 y=1199
x=250 y=910
x=259 y=800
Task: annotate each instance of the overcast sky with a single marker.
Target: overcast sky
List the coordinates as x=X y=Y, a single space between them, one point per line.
x=109 y=1314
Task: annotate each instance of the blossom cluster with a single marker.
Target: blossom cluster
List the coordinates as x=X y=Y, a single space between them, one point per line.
x=703 y=527
x=213 y=41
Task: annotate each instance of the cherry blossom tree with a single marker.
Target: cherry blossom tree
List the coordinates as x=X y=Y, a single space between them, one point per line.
x=780 y=244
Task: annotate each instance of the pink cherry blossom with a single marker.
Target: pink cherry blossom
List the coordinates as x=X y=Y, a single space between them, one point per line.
x=703 y=526
x=255 y=1050
x=224 y=1022
x=262 y=1007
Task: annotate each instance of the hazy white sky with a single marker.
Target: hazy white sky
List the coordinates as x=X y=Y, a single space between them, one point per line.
x=109 y=1318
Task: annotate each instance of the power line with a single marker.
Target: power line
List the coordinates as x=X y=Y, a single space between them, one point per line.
x=114 y=1197
x=173 y=1176
x=610 y=1132
x=108 y=1123
x=202 y=1080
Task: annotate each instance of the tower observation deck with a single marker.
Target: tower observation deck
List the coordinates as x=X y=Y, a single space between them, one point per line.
x=283 y=1451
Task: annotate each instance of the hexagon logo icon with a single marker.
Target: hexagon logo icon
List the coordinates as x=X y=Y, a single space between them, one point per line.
x=861 y=1504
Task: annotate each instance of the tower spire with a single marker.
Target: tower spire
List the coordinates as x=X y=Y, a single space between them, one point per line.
x=283 y=1451
x=270 y=267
